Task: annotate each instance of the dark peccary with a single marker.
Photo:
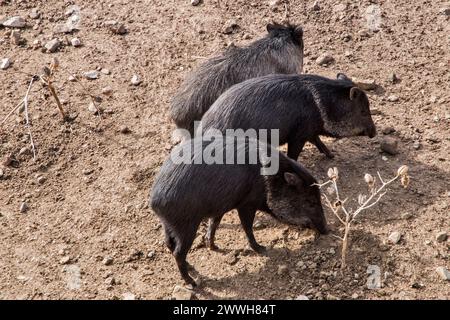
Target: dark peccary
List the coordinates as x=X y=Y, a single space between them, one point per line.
x=302 y=107
x=185 y=194
x=280 y=51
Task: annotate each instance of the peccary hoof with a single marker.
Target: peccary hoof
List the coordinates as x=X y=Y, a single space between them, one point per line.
x=259 y=249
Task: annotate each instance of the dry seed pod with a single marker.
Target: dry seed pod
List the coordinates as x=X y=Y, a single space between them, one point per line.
x=403 y=170
x=405 y=181
x=368 y=179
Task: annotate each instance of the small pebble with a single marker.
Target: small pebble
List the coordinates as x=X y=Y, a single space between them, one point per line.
x=135 y=80
x=324 y=59
x=15 y=22
x=181 y=293
x=128 y=296
x=389 y=145
x=23 y=207
x=441 y=236
x=195 y=2
x=41 y=179
x=75 y=42
x=302 y=297
x=65 y=260
x=124 y=129
x=443 y=273
x=392 y=98
x=107 y=91
x=395 y=237
x=52 y=45
x=107 y=261
x=91 y=75
x=6 y=63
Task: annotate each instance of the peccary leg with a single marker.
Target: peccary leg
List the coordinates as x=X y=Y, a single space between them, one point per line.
x=294 y=148
x=247 y=216
x=213 y=223
x=185 y=238
x=322 y=147
x=170 y=241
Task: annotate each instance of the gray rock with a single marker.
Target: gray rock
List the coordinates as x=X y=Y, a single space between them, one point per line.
x=445 y=11
x=375 y=111
x=151 y=254
x=373 y=17
x=65 y=260
x=107 y=261
x=407 y=215
x=107 y=91
x=388 y=130
x=315 y=6
x=181 y=293
x=23 y=207
x=6 y=63
x=116 y=27
x=136 y=80
x=15 y=37
x=389 y=145
x=52 y=45
x=441 y=236
x=105 y=71
x=230 y=26
x=34 y=13
x=392 y=98
x=395 y=237
x=15 y=22
x=282 y=269
x=195 y=2
x=91 y=75
x=393 y=78
x=128 y=296
x=75 y=42
x=443 y=273
x=124 y=129
x=416 y=145
x=41 y=179
x=324 y=59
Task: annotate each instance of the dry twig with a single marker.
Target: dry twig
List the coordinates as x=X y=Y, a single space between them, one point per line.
x=347 y=216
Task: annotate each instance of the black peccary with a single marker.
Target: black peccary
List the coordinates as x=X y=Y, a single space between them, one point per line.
x=280 y=51
x=183 y=194
x=301 y=107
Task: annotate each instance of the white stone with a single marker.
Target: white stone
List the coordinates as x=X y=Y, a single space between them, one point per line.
x=75 y=42
x=6 y=63
x=15 y=22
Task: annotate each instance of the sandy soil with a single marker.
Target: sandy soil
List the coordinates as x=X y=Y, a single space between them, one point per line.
x=93 y=202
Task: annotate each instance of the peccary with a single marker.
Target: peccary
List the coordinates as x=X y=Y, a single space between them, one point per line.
x=185 y=193
x=280 y=51
x=301 y=107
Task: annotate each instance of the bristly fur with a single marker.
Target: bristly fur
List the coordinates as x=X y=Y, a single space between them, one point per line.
x=301 y=107
x=280 y=51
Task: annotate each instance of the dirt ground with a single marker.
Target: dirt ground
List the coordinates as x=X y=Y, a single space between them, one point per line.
x=88 y=232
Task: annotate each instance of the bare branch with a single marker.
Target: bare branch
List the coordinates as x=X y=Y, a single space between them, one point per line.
x=11 y=112
x=27 y=120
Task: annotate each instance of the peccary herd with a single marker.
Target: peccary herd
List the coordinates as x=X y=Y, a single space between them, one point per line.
x=255 y=87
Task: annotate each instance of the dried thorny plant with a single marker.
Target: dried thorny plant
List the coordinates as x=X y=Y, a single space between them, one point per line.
x=47 y=79
x=346 y=216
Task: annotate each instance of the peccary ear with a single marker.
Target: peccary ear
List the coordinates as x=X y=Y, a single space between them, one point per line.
x=342 y=76
x=298 y=32
x=355 y=92
x=270 y=27
x=291 y=178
